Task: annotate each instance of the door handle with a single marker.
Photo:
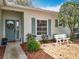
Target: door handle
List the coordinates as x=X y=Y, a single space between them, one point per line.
x=14 y=30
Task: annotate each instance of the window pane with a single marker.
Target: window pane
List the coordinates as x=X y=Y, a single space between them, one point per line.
x=41 y=27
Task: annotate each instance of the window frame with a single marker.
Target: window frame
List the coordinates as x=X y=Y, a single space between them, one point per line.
x=46 y=27
x=58 y=24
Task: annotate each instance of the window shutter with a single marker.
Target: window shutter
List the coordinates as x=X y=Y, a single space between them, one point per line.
x=33 y=26
x=56 y=23
x=49 y=27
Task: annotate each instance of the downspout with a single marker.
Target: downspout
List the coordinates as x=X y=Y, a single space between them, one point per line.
x=1 y=32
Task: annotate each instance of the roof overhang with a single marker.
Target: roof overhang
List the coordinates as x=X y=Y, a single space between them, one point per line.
x=19 y=8
x=26 y=7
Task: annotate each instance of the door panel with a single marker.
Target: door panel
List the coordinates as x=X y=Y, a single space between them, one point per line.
x=10 y=30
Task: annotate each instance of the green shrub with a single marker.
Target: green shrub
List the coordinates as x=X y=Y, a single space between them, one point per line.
x=45 y=41
x=45 y=38
x=72 y=38
x=30 y=37
x=33 y=45
x=54 y=40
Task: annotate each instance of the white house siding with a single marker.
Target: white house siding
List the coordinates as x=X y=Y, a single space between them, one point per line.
x=28 y=14
x=37 y=14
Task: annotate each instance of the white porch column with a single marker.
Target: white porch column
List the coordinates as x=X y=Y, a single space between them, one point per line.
x=0 y=23
x=24 y=28
x=27 y=24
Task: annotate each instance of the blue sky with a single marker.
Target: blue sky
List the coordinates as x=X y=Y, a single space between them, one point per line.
x=53 y=5
x=45 y=3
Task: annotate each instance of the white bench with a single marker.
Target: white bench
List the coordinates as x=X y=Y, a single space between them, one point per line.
x=61 y=38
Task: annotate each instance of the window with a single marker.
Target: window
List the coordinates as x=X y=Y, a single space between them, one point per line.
x=56 y=23
x=41 y=27
x=60 y=24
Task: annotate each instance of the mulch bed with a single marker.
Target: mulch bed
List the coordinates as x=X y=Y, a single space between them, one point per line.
x=48 y=41
x=76 y=41
x=35 y=55
x=2 y=51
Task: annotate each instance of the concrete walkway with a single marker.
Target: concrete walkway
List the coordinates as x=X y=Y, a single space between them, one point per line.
x=14 y=51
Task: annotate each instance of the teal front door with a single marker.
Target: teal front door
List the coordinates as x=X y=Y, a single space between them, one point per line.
x=10 y=29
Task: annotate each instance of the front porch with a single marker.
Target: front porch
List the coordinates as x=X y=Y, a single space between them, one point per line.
x=14 y=51
x=11 y=25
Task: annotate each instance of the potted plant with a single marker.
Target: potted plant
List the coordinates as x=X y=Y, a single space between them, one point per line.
x=45 y=38
x=4 y=41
